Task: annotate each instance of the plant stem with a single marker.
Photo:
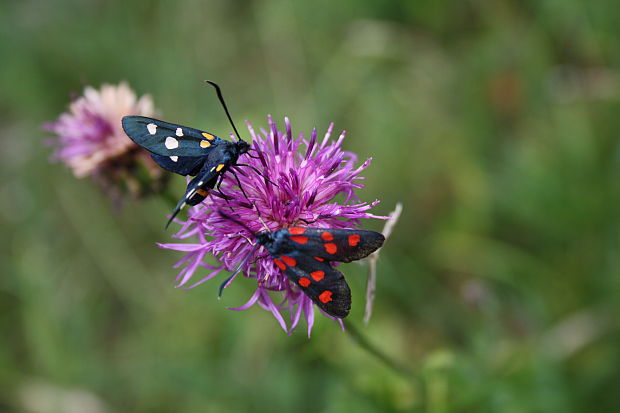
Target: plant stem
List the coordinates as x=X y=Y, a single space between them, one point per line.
x=365 y=344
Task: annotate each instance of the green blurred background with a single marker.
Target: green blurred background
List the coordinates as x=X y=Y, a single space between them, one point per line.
x=495 y=123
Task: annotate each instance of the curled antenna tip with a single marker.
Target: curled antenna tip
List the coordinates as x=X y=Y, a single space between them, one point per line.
x=221 y=98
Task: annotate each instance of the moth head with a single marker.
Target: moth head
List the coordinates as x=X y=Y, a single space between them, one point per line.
x=243 y=147
x=265 y=238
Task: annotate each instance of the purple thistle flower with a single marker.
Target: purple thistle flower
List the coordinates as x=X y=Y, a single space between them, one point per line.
x=91 y=141
x=309 y=175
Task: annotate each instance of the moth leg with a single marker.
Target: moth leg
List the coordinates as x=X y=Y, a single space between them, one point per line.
x=227 y=197
x=217 y=188
x=240 y=187
x=259 y=173
x=260 y=258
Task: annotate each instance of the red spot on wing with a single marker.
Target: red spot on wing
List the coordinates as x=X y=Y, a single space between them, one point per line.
x=300 y=239
x=289 y=261
x=296 y=230
x=326 y=296
x=280 y=264
x=319 y=259
x=354 y=239
x=331 y=248
x=304 y=282
x=327 y=236
x=317 y=275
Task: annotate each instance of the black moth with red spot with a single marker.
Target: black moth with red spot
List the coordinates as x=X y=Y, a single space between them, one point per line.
x=304 y=254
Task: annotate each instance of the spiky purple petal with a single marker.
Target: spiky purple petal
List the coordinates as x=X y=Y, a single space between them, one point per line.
x=309 y=175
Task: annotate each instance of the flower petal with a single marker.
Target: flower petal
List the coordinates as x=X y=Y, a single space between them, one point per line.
x=250 y=302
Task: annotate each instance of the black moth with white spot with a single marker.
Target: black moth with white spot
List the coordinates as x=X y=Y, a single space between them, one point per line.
x=187 y=151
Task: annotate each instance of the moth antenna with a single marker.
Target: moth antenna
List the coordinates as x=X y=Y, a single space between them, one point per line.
x=234 y=274
x=221 y=98
x=235 y=220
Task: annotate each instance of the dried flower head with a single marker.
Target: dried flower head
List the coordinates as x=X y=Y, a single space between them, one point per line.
x=91 y=141
x=309 y=174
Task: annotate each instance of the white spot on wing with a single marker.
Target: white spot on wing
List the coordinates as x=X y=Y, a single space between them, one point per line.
x=179 y=132
x=171 y=143
x=174 y=158
x=152 y=128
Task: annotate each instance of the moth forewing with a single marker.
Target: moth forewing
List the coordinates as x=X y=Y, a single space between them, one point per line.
x=169 y=139
x=335 y=244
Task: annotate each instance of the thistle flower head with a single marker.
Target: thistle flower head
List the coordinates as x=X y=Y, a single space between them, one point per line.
x=309 y=174
x=90 y=139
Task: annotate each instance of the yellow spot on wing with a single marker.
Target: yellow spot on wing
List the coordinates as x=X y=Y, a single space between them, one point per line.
x=204 y=144
x=219 y=167
x=208 y=136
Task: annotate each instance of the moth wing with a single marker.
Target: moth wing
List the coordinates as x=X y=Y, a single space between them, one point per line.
x=324 y=284
x=198 y=188
x=334 y=244
x=182 y=165
x=168 y=139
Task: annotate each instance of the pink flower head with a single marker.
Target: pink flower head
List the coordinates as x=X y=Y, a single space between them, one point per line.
x=309 y=174
x=91 y=141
